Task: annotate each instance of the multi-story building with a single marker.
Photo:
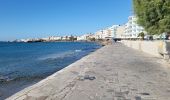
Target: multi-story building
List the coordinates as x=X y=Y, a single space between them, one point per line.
x=99 y=34
x=113 y=30
x=106 y=33
x=55 y=38
x=52 y=38
x=132 y=29
x=85 y=37
x=120 y=31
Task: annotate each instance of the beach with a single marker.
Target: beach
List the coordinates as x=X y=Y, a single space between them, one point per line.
x=114 y=72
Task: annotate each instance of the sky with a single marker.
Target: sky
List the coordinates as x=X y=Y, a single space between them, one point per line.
x=42 y=18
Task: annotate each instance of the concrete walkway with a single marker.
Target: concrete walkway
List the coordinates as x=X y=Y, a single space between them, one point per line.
x=114 y=72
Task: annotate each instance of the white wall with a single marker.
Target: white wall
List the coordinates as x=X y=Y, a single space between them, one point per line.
x=155 y=48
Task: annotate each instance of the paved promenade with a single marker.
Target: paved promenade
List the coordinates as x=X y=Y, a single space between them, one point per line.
x=114 y=72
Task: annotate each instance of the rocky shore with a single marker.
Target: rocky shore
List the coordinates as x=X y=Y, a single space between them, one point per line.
x=114 y=72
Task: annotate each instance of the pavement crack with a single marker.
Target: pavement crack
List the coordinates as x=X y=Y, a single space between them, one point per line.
x=68 y=89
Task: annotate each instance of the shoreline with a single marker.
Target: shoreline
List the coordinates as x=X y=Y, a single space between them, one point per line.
x=102 y=42
x=51 y=77
x=84 y=51
x=109 y=73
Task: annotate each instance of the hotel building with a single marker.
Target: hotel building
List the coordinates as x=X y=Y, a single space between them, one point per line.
x=132 y=29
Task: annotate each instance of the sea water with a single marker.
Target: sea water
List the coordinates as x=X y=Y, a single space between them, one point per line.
x=24 y=64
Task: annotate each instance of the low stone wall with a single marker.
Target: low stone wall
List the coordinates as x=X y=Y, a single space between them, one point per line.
x=156 y=48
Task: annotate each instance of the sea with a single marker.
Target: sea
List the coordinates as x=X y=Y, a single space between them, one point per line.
x=24 y=64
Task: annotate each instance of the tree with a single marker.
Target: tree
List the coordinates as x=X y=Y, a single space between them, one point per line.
x=71 y=38
x=142 y=35
x=153 y=15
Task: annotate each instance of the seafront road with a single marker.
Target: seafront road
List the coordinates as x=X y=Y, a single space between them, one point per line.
x=114 y=72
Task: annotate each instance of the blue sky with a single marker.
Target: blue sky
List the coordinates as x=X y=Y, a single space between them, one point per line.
x=43 y=18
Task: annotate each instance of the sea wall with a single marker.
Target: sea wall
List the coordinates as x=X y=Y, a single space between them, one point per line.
x=106 y=74
x=157 y=48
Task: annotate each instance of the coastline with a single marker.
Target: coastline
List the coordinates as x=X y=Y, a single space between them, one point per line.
x=109 y=73
x=56 y=62
x=68 y=73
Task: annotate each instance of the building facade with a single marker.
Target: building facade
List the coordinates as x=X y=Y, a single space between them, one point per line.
x=120 y=31
x=85 y=37
x=109 y=32
x=132 y=29
x=99 y=34
x=113 y=30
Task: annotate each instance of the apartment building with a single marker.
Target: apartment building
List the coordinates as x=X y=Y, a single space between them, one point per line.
x=132 y=29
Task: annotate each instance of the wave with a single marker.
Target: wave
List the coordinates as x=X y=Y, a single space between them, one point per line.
x=58 y=60
x=78 y=50
x=60 y=55
x=7 y=79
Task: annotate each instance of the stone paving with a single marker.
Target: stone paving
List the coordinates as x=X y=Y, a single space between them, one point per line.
x=114 y=72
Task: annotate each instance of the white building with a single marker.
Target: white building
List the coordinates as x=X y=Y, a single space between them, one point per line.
x=109 y=32
x=23 y=40
x=52 y=38
x=65 y=38
x=120 y=31
x=99 y=34
x=113 y=30
x=132 y=29
x=85 y=37
x=55 y=38
x=106 y=33
x=102 y=34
